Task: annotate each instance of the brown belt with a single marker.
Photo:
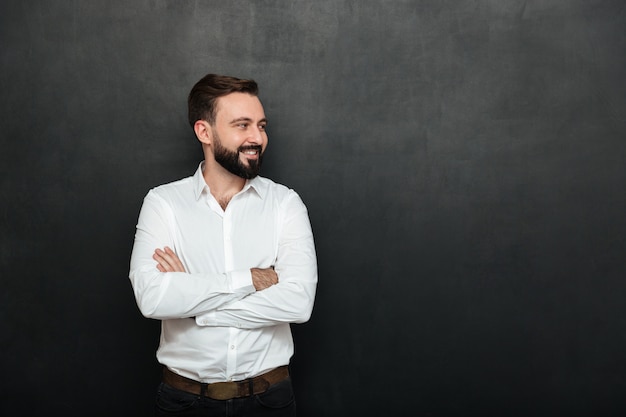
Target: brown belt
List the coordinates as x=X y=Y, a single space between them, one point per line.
x=226 y=390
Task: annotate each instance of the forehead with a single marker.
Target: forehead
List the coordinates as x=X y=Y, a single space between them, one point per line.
x=237 y=105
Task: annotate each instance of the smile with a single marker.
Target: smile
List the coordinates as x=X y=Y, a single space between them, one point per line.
x=251 y=150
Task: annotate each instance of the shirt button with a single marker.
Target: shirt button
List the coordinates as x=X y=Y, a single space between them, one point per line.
x=232 y=347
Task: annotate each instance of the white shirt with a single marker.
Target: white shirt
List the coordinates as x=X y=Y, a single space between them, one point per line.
x=215 y=326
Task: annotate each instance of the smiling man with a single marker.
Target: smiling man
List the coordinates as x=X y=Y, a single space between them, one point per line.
x=226 y=260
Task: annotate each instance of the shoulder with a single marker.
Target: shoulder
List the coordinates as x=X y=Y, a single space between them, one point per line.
x=281 y=196
x=174 y=185
x=184 y=187
x=267 y=188
x=173 y=191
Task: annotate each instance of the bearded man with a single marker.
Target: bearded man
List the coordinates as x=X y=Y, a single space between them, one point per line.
x=225 y=259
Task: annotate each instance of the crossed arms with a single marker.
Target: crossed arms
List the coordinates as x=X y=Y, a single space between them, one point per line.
x=253 y=297
x=168 y=261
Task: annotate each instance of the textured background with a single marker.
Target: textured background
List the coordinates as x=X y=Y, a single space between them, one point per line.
x=463 y=164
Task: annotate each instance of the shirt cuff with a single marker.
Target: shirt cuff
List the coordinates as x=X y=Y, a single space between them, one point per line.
x=241 y=279
x=206 y=319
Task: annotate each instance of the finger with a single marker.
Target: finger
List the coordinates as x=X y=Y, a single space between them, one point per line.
x=174 y=259
x=168 y=256
x=168 y=259
x=162 y=263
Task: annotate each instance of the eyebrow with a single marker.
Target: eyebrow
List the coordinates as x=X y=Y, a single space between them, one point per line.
x=246 y=119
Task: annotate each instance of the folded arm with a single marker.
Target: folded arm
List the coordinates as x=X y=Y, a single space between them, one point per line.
x=291 y=299
x=168 y=261
x=166 y=291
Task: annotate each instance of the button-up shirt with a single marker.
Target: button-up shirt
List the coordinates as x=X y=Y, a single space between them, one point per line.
x=215 y=325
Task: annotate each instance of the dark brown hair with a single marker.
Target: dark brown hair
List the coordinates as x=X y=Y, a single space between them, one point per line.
x=203 y=96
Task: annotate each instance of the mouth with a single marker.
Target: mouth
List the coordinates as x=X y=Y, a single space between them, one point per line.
x=252 y=152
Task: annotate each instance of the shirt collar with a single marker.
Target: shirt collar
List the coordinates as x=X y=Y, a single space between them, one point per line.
x=200 y=186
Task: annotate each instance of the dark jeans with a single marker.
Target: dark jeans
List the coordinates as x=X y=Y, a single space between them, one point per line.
x=277 y=401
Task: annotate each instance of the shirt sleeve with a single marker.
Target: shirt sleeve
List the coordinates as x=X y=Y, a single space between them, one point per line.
x=170 y=295
x=291 y=299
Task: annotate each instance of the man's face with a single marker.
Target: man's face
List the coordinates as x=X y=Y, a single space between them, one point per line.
x=239 y=137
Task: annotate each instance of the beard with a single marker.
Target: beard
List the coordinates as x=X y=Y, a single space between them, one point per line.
x=231 y=162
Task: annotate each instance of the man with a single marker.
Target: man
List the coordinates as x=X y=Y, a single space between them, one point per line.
x=226 y=260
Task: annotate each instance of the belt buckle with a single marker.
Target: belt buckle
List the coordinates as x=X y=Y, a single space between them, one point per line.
x=222 y=390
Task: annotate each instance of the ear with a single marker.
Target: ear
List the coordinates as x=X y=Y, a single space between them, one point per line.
x=203 y=131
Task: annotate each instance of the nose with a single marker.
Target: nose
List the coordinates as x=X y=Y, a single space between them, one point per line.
x=258 y=135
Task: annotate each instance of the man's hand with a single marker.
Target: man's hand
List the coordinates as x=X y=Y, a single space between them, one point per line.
x=168 y=261
x=263 y=278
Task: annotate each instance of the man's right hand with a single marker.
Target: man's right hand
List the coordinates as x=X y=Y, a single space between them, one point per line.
x=263 y=278
x=167 y=260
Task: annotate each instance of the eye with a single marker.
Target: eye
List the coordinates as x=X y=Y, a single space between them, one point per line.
x=262 y=127
x=243 y=125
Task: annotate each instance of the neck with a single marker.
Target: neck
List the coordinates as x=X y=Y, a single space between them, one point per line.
x=222 y=183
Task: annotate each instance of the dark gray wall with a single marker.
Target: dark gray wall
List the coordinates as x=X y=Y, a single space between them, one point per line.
x=463 y=164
